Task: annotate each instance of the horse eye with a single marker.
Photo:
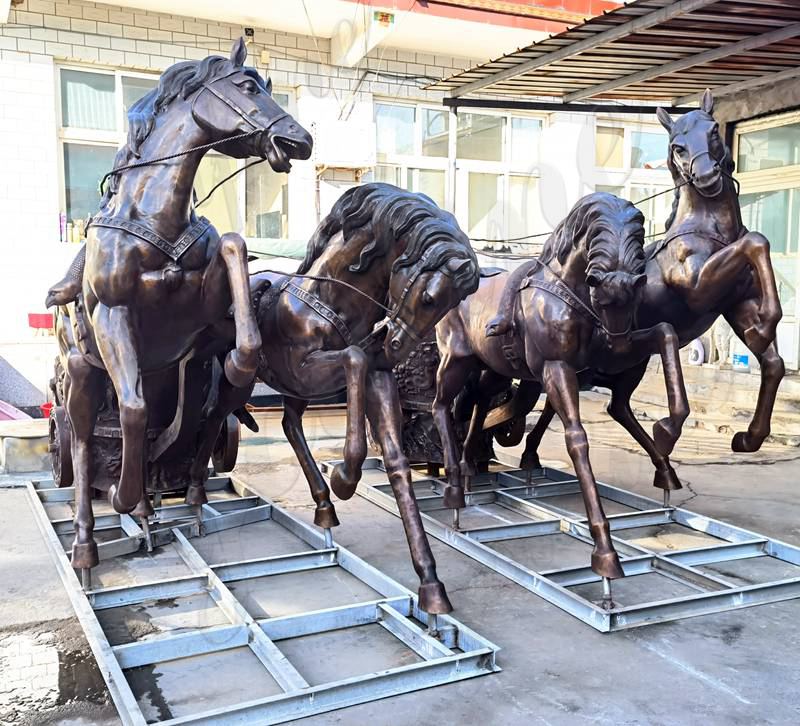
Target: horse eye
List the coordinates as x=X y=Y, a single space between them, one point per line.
x=679 y=149
x=427 y=298
x=249 y=87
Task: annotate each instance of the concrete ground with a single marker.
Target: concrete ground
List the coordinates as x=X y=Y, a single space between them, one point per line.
x=735 y=668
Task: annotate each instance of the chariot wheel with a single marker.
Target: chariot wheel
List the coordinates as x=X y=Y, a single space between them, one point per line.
x=226 y=447
x=511 y=432
x=60 y=445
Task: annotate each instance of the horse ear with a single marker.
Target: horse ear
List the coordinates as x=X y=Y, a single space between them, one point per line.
x=238 y=52
x=707 y=104
x=664 y=118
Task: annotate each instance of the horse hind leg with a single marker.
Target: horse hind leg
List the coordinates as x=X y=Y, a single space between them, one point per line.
x=85 y=394
x=325 y=513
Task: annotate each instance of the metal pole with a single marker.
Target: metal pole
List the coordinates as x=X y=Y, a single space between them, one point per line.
x=450 y=202
x=666 y=498
x=328 y=537
x=86 y=579
x=607 y=602
x=456 y=519
x=146 y=529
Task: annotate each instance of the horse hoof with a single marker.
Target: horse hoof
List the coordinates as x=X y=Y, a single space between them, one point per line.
x=744 y=443
x=756 y=340
x=143 y=509
x=663 y=438
x=454 y=497
x=196 y=495
x=342 y=487
x=325 y=516
x=238 y=375
x=530 y=461
x=84 y=556
x=667 y=479
x=433 y=599
x=607 y=564
x=118 y=507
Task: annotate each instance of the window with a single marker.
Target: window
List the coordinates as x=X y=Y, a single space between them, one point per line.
x=609 y=147
x=395 y=128
x=94 y=124
x=480 y=137
x=94 y=108
x=649 y=149
x=769 y=148
x=435 y=132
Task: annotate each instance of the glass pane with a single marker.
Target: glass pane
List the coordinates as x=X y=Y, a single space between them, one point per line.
x=427 y=181
x=266 y=202
x=649 y=150
x=769 y=148
x=616 y=191
x=776 y=214
x=87 y=100
x=282 y=99
x=485 y=215
x=132 y=90
x=524 y=210
x=655 y=211
x=608 y=147
x=525 y=140
x=222 y=208
x=434 y=132
x=84 y=167
x=388 y=174
x=395 y=129
x=480 y=137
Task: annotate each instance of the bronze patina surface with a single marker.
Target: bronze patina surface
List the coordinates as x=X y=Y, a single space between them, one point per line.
x=575 y=311
x=706 y=265
x=380 y=271
x=155 y=280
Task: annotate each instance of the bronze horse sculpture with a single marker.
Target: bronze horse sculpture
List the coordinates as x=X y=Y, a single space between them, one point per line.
x=380 y=271
x=706 y=265
x=575 y=311
x=154 y=279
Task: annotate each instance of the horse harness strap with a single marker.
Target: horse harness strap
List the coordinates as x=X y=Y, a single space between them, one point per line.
x=173 y=250
x=720 y=241
x=560 y=290
x=320 y=308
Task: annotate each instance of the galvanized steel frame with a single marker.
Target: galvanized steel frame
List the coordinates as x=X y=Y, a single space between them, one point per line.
x=510 y=490
x=452 y=653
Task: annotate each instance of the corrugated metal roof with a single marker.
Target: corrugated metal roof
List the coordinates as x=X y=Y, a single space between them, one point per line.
x=650 y=50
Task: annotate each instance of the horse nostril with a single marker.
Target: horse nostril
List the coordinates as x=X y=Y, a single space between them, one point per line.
x=396 y=344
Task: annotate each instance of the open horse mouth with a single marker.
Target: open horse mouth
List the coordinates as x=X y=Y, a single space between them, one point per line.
x=709 y=188
x=281 y=150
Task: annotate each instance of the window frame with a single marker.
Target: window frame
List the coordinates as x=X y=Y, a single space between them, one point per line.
x=116 y=139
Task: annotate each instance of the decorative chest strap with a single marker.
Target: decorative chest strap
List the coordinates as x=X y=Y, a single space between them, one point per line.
x=174 y=250
x=320 y=308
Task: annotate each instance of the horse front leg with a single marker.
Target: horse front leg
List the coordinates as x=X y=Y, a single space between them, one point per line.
x=85 y=393
x=489 y=386
x=561 y=385
x=115 y=338
x=530 y=456
x=662 y=339
x=241 y=363
x=386 y=417
x=451 y=377
x=722 y=272
x=742 y=318
x=346 y=475
x=325 y=514
x=619 y=408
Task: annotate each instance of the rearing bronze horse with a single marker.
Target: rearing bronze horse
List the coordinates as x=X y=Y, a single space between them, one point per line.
x=157 y=278
x=707 y=265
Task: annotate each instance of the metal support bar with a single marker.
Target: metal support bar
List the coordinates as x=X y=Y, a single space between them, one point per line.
x=413 y=636
x=114 y=597
x=182 y=645
x=557 y=106
x=265 y=566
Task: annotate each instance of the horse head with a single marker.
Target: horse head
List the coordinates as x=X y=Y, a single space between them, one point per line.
x=697 y=154
x=437 y=271
x=227 y=99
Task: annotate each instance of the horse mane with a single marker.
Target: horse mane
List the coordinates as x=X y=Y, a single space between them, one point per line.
x=614 y=233
x=727 y=164
x=387 y=214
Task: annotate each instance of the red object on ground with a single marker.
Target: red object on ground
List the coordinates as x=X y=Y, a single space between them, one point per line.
x=47 y=408
x=40 y=321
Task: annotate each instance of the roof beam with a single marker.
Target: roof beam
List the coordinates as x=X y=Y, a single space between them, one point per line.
x=557 y=106
x=708 y=56
x=643 y=22
x=741 y=86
